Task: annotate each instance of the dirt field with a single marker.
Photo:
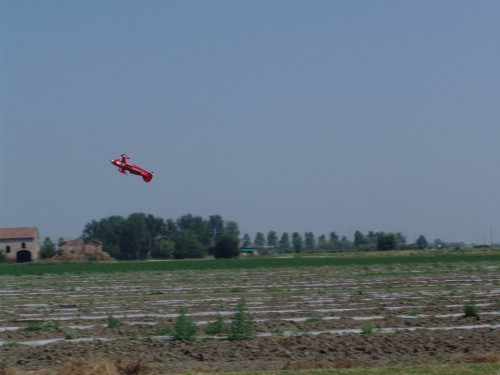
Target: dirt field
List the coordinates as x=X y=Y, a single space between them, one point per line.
x=303 y=317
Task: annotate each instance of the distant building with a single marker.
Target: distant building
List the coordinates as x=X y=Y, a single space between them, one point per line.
x=258 y=250
x=20 y=244
x=79 y=250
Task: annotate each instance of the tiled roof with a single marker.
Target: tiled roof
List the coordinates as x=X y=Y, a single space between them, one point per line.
x=11 y=233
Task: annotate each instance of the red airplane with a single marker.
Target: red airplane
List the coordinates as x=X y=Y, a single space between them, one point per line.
x=124 y=166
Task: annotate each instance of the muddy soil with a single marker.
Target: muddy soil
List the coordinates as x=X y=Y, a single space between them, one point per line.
x=302 y=318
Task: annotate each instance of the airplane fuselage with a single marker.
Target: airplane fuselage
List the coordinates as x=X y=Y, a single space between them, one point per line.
x=124 y=167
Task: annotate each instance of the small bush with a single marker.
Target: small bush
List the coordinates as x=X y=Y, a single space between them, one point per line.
x=313 y=319
x=471 y=310
x=113 y=322
x=242 y=323
x=71 y=335
x=367 y=328
x=184 y=327
x=47 y=325
x=413 y=312
x=217 y=327
x=163 y=331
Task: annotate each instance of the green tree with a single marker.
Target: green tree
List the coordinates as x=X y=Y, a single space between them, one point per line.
x=232 y=227
x=359 y=239
x=344 y=243
x=323 y=244
x=309 y=241
x=246 y=241
x=184 y=327
x=334 y=240
x=197 y=226
x=284 y=243
x=108 y=231
x=164 y=249
x=139 y=235
x=227 y=245
x=48 y=248
x=422 y=243
x=272 y=238
x=188 y=246
x=215 y=226
x=297 y=242
x=259 y=239
x=387 y=241
x=242 y=324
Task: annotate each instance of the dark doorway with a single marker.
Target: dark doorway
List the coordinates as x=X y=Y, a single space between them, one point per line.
x=23 y=256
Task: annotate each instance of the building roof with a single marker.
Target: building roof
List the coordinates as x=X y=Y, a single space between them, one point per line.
x=11 y=233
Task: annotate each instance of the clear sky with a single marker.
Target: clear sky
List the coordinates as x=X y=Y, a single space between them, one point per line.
x=279 y=115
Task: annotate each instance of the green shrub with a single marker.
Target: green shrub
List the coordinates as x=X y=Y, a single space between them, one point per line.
x=71 y=335
x=367 y=328
x=163 y=331
x=184 y=327
x=242 y=323
x=113 y=322
x=47 y=325
x=471 y=310
x=217 y=327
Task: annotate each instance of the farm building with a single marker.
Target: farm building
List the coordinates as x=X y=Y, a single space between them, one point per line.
x=20 y=244
x=79 y=250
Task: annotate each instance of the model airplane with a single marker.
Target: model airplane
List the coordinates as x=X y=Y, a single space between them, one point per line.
x=124 y=166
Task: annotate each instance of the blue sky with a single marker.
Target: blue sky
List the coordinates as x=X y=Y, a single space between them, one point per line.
x=280 y=115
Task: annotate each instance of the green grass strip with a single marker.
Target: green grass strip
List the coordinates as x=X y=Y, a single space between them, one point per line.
x=251 y=263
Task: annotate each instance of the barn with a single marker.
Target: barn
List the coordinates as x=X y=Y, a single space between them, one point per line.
x=21 y=244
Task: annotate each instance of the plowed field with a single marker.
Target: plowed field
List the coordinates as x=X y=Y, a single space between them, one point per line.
x=304 y=317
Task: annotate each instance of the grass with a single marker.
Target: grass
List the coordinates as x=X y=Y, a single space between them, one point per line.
x=252 y=263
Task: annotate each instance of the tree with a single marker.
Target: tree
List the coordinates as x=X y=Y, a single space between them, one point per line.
x=359 y=239
x=259 y=239
x=309 y=241
x=164 y=249
x=197 y=226
x=246 y=242
x=323 y=244
x=272 y=238
x=284 y=243
x=344 y=243
x=422 y=243
x=334 y=239
x=215 y=226
x=387 y=241
x=108 y=231
x=227 y=245
x=139 y=235
x=232 y=227
x=48 y=248
x=188 y=246
x=297 y=242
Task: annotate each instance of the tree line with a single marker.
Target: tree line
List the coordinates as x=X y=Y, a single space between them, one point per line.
x=144 y=236
x=298 y=242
